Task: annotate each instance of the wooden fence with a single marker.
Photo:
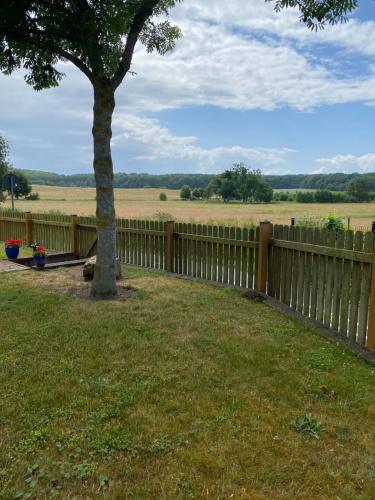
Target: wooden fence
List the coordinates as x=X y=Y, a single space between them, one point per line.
x=327 y=276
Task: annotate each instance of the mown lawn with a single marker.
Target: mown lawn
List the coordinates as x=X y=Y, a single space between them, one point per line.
x=183 y=391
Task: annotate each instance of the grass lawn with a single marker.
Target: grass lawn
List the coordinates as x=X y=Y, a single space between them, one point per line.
x=183 y=391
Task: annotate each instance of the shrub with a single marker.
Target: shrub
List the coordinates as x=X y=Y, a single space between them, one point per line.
x=162 y=197
x=163 y=216
x=197 y=194
x=333 y=222
x=304 y=197
x=33 y=197
x=185 y=193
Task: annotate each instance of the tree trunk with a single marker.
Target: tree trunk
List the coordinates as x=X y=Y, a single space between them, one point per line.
x=104 y=284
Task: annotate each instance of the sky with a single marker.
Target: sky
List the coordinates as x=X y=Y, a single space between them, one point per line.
x=244 y=84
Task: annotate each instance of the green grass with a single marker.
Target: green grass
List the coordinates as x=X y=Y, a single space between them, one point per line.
x=183 y=391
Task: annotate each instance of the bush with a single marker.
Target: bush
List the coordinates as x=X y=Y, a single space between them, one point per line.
x=304 y=197
x=185 y=193
x=163 y=197
x=162 y=216
x=198 y=193
x=333 y=222
x=33 y=197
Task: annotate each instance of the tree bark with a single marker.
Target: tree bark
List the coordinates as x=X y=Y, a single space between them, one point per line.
x=104 y=284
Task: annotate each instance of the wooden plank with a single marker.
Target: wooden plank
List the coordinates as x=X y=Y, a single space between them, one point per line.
x=355 y=289
x=370 y=344
x=220 y=254
x=209 y=252
x=321 y=279
x=232 y=251
x=226 y=256
x=364 y=297
x=324 y=250
x=283 y=264
x=238 y=259
x=215 y=232
x=169 y=257
x=264 y=237
x=345 y=289
x=199 y=251
x=330 y=267
x=307 y=275
x=245 y=260
x=336 y=297
x=301 y=270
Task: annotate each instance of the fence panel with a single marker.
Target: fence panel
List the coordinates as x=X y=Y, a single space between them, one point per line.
x=325 y=275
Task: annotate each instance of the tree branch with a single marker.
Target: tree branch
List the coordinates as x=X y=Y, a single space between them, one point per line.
x=144 y=12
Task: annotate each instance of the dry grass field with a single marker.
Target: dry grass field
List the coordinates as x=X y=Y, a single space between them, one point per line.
x=141 y=203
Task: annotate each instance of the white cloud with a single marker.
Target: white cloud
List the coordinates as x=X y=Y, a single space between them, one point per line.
x=158 y=143
x=347 y=163
x=236 y=55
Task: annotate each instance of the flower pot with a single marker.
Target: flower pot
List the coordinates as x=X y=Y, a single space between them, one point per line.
x=12 y=252
x=40 y=260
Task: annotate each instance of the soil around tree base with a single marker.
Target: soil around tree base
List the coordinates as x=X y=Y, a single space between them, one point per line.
x=123 y=293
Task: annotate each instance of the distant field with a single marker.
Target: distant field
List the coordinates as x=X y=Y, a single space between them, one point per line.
x=138 y=203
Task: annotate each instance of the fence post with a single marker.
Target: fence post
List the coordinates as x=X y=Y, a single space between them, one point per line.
x=265 y=232
x=169 y=247
x=29 y=229
x=371 y=316
x=74 y=235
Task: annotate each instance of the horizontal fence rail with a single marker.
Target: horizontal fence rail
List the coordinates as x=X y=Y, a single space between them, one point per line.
x=328 y=276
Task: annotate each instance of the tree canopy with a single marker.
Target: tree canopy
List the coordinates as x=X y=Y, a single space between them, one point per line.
x=97 y=36
x=316 y=14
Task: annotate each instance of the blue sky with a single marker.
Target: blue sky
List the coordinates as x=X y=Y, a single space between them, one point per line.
x=243 y=84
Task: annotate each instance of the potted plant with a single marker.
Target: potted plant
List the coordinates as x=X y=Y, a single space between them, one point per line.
x=39 y=254
x=12 y=248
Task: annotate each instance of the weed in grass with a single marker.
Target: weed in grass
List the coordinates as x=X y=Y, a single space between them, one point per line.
x=307 y=425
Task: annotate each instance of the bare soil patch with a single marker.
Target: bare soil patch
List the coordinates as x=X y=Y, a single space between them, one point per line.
x=123 y=293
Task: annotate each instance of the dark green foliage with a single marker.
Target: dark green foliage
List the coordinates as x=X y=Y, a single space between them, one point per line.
x=360 y=189
x=162 y=197
x=304 y=197
x=22 y=187
x=185 y=193
x=198 y=194
x=263 y=192
x=241 y=183
x=318 y=13
x=98 y=37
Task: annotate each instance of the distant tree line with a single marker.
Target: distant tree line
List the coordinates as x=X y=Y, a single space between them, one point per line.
x=330 y=182
x=358 y=190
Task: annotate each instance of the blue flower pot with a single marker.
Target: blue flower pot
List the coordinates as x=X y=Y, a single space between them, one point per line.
x=12 y=252
x=40 y=260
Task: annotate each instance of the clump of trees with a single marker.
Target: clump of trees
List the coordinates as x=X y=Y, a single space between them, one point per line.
x=237 y=183
x=241 y=183
x=163 y=197
x=22 y=188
